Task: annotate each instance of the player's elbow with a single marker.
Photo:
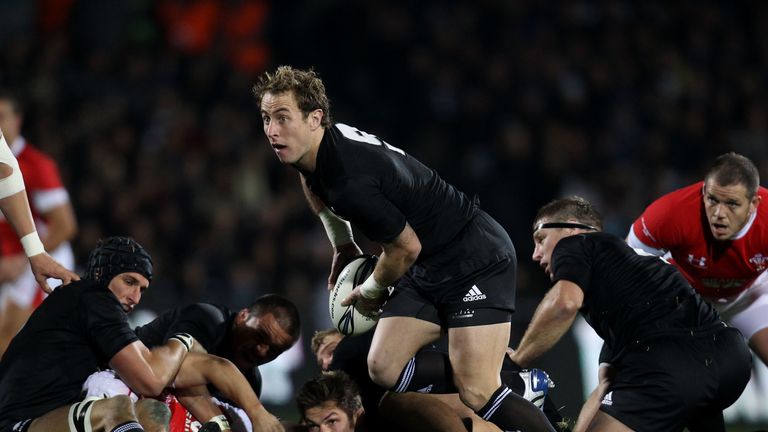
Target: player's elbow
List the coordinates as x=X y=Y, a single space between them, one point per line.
x=412 y=253
x=149 y=386
x=565 y=307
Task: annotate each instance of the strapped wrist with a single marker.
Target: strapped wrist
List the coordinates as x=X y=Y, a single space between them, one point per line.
x=372 y=289
x=221 y=420
x=186 y=339
x=339 y=231
x=32 y=244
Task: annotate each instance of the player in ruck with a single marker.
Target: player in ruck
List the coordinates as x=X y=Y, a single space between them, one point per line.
x=452 y=265
x=668 y=359
x=716 y=233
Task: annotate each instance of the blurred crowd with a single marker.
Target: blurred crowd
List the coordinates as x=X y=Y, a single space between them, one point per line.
x=146 y=106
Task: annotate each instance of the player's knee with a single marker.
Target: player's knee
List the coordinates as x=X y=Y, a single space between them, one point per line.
x=381 y=372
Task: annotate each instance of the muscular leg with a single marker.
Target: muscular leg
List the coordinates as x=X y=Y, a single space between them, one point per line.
x=396 y=341
x=105 y=415
x=476 y=355
x=153 y=415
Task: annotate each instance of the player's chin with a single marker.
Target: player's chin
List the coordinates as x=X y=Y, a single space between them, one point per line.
x=720 y=233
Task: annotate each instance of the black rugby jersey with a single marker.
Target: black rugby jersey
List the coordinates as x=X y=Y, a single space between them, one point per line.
x=627 y=296
x=378 y=188
x=73 y=333
x=209 y=324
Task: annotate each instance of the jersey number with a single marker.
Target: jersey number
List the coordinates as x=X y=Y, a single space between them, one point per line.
x=356 y=134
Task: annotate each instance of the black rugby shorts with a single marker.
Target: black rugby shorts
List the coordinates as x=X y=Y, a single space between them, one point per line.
x=471 y=282
x=679 y=380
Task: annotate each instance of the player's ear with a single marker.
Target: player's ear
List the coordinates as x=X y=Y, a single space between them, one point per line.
x=356 y=415
x=316 y=118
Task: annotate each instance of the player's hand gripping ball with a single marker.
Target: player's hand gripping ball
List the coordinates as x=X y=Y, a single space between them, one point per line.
x=346 y=318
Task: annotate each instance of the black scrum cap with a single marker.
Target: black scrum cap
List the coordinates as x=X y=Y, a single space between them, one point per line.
x=117 y=255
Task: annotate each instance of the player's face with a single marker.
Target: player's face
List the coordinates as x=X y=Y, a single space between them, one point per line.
x=10 y=121
x=258 y=340
x=326 y=350
x=728 y=208
x=128 y=288
x=328 y=417
x=544 y=241
x=289 y=131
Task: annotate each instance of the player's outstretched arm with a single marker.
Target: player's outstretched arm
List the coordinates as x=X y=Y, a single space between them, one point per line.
x=199 y=369
x=592 y=404
x=199 y=402
x=15 y=207
x=552 y=319
x=149 y=372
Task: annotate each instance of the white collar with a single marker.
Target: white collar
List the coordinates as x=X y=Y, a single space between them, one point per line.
x=17 y=146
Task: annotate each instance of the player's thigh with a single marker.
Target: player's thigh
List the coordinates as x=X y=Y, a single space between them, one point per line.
x=477 y=352
x=54 y=421
x=395 y=341
x=92 y=414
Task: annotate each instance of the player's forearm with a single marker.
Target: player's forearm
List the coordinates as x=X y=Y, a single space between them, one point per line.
x=15 y=208
x=62 y=227
x=397 y=257
x=165 y=362
x=591 y=406
x=550 y=322
x=201 y=369
x=198 y=401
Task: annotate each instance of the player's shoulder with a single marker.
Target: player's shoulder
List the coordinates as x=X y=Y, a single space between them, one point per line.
x=688 y=195
x=206 y=311
x=32 y=154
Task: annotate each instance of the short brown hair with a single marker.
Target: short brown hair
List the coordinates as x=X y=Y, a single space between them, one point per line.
x=334 y=386
x=306 y=86
x=571 y=208
x=734 y=169
x=319 y=337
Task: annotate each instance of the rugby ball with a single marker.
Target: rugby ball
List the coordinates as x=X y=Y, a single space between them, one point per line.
x=346 y=318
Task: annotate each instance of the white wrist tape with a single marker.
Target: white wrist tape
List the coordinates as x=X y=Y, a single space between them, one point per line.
x=14 y=183
x=221 y=420
x=186 y=339
x=371 y=289
x=339 y=231
x=32 y=244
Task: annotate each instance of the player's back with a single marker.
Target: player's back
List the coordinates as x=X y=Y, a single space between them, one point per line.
x=628 y=295
x=379 y=187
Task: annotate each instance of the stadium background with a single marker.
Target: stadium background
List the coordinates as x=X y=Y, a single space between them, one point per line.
x=146 y=106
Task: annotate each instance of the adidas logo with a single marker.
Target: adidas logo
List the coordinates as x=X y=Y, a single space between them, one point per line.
x=427 y=389
x=608 y=399
x=474 y=294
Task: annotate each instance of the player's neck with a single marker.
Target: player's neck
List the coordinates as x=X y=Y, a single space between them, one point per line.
x=308 y=162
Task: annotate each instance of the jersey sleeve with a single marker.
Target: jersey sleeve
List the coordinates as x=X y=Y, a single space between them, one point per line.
x=106 y=324
x=205 y=322
x=370 y=211
x=46 y=190
x=571 y=261
x=655 y=231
